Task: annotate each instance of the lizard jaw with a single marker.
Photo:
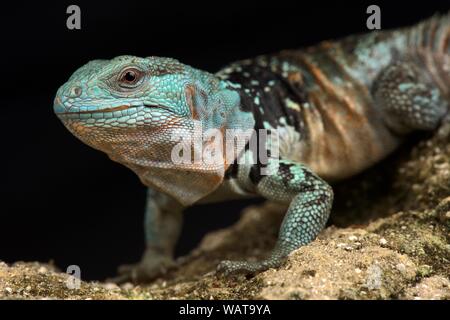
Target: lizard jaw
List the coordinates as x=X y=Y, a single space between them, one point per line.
x=112 y=109
x=63 y=111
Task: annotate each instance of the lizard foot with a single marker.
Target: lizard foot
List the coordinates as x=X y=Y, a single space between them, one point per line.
x=228 y=268
x=275 y=260
x=149 y=268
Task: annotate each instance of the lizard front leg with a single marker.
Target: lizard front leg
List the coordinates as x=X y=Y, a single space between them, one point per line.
x=163 y=220
x=310 y=201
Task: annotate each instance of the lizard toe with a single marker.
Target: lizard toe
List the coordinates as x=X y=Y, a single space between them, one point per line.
x=228 y=268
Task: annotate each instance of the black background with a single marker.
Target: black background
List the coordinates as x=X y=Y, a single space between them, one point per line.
x=61 y=200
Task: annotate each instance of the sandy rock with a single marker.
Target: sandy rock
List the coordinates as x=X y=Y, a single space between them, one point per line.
x=388 y=238
x=434 y=288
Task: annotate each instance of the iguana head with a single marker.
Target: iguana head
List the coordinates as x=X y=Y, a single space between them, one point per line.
x=132 y=108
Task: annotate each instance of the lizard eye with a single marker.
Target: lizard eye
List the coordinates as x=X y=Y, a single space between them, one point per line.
x=130 y=77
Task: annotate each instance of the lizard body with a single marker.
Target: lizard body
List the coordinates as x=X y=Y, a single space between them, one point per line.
x=338 y=108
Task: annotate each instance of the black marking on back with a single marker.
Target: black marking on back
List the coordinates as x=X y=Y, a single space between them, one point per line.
x=263 y=79
x=232 y=171
x=255 y=174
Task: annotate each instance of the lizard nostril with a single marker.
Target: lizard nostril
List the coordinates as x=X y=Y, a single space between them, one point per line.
x=75 y=92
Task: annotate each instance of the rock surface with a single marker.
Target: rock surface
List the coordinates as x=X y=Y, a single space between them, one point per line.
x=388 y=238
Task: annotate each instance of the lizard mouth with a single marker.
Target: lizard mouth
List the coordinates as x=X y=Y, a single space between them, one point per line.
x=118 y=108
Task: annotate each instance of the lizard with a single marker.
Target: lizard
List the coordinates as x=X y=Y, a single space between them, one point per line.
x=338 y=107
